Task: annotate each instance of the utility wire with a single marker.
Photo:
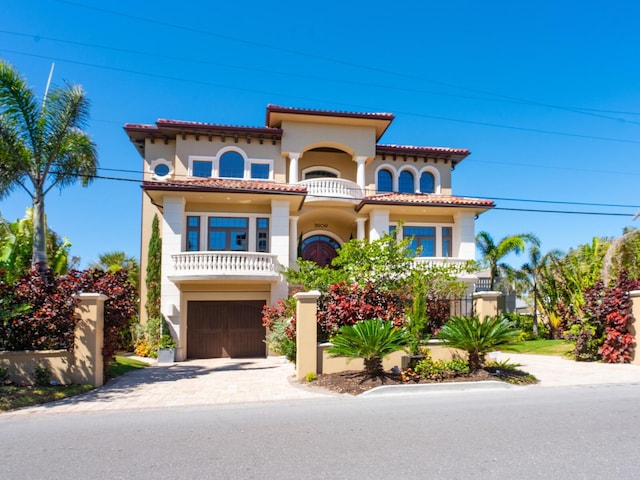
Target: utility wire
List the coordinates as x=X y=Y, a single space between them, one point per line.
x=584 y=111
x=347 y=105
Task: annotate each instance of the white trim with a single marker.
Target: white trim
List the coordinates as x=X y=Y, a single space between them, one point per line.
x=319 y=168
x=202 y=158
x=160 y=161
x=390 y=169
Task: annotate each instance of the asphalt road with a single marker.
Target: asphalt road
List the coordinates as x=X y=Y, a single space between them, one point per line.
x=553 y=433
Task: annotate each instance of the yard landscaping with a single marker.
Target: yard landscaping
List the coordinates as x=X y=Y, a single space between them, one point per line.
x=16 y=396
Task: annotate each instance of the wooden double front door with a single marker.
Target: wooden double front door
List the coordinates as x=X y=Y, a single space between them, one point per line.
x=225 y=329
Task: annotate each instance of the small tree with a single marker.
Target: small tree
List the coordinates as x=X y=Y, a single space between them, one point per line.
x=478 y=337
x=152 y=280
x=492 y=253
x=371 y=340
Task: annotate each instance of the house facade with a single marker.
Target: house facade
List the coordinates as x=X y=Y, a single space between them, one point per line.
x=238 y=204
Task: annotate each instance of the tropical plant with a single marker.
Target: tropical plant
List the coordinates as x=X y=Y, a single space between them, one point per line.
x=492 y=254
x=118 y=260
x=371 y=340
x=478 y=337
x=42 y=145
x=16 y=248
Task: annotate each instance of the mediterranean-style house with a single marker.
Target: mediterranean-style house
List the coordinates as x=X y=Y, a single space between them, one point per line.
x=237 y=204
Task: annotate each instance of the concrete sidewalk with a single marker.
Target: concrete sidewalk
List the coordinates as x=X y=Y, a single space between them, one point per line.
x=559 y=371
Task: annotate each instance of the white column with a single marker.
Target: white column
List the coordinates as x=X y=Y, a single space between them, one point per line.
x=360 y=177
x=293 y=166
x=280 y=244
x=378 y=224
x=360 y=221
x=293 y=240
x=464 y=237
x=172 y=225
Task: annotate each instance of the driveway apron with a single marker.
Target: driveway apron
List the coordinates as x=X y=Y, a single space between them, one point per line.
x=190 y=383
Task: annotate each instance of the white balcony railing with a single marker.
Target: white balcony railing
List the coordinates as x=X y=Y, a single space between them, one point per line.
x=333 y=188
x=194 y=265
x=442 y=261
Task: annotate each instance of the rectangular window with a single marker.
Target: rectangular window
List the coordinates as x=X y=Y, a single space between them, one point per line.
x=447 y=241
x=423 y=240
x=262 y=235
x=228 y=233
x=202 y=168
x=193 y=234
x=260 y=171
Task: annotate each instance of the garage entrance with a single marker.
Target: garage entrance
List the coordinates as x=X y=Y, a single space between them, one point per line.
x=225 y=329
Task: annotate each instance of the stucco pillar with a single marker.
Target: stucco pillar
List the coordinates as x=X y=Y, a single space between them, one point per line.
x=306 y=333
x=378 y=224
x=485 y=304
x=280 y=242
x=463 y=236
x=293 y=167
x=293 y=241
x=635 y=312
x=360 y=172
x=172 y=225
x=88 y=364
x=360 y=223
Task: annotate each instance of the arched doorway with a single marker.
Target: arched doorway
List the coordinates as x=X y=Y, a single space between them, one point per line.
x=320 y=249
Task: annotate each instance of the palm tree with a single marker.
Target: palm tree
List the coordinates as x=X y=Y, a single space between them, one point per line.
x=493 y=253
x=118 y=260
x=42 y=145
x=477 y=337
x=530 y=273
x=371 y=340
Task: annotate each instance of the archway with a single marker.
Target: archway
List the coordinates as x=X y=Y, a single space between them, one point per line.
x=320 y=249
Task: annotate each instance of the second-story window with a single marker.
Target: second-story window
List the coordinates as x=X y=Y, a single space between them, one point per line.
x=193 y=234
x=447 y=241
x=423 y=240
x=260 y=171
x=227 y=233
x=232 y=165
x=262 y=235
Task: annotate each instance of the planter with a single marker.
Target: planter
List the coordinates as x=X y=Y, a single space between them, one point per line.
x=166 y=355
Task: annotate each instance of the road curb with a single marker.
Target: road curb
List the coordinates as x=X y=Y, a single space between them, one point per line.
x=437 y=387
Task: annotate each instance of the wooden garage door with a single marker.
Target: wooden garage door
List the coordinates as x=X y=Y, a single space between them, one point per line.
x=225 y=329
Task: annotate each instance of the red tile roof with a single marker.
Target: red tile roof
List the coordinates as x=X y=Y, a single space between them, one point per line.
x=329 y=113
x=410 y=149
x=426 y=199
x=225 y=185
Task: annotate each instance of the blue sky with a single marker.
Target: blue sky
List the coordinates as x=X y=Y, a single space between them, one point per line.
x=545 y=95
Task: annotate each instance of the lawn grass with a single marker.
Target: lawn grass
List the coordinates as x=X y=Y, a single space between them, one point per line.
x=15 y=396
x=122 y=365
x=540 y=347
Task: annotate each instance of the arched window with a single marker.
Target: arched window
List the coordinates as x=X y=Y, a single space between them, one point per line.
x=232 y=165
x=385 y=181
x=427 y=183
x=405 y=182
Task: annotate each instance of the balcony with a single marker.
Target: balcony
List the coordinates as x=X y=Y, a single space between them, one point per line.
x=440 y=261
x=332 y=188
x=194 y=266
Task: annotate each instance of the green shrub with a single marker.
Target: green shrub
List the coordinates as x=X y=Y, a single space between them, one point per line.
x=4 y=376
x=310 y=377
x=441 y=369
x=279 y=341
x=42 y=375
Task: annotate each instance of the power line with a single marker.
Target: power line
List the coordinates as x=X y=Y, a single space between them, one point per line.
x=347 y=105
x=500 y=99
x=583 y=111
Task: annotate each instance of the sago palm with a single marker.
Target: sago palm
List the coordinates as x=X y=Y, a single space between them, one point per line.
x=371 y=340
x=477 y=337
x=42 y=145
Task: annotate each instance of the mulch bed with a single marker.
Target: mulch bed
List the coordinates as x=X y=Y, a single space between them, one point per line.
x=356 y=382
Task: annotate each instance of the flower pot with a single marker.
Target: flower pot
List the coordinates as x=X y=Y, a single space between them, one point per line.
x=166 y=355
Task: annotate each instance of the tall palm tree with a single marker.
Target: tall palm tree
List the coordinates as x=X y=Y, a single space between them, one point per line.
x=493 y=253
x=118 y=260
x=42 y=145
